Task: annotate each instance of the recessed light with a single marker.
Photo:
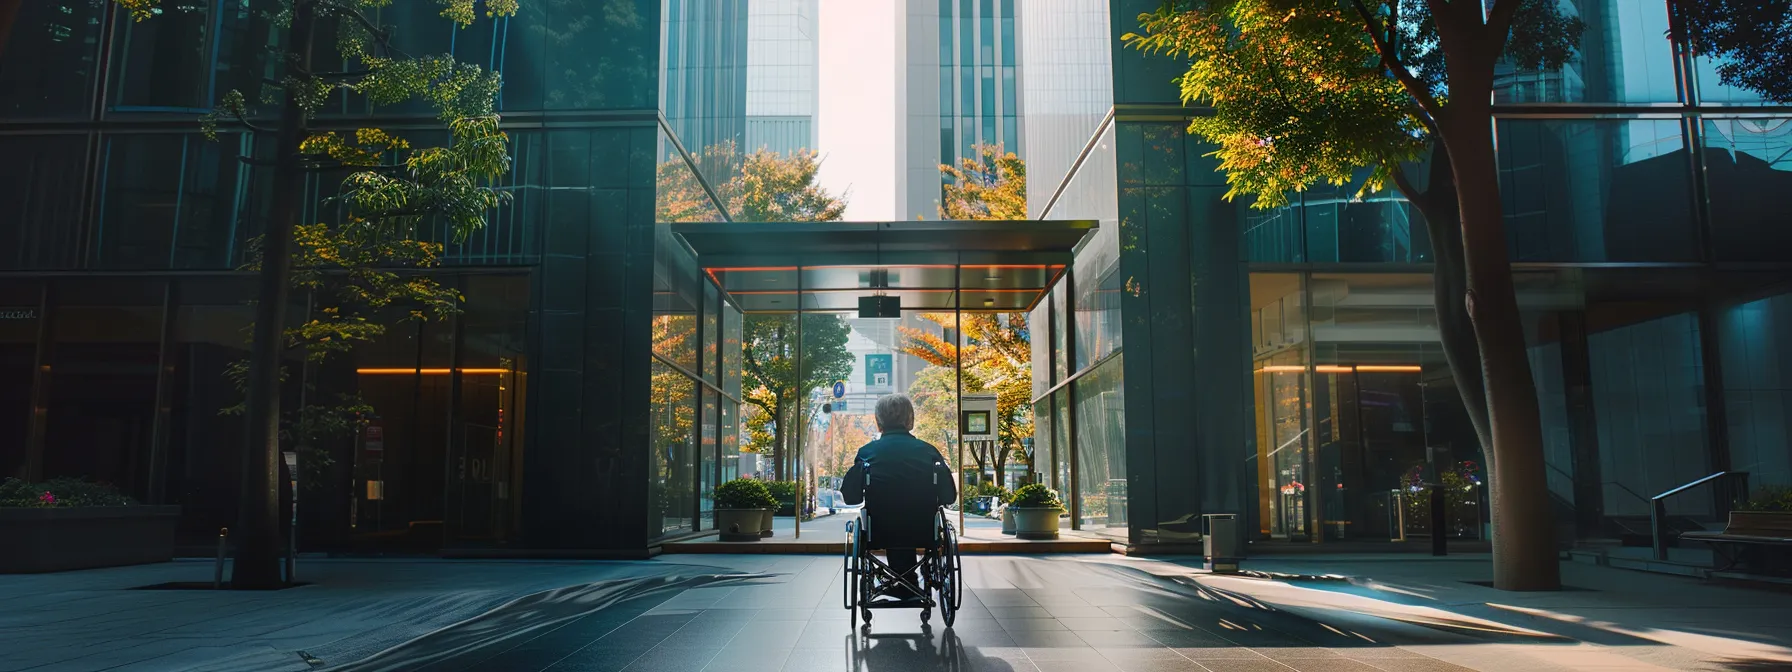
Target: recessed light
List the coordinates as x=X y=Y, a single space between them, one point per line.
x=989 y=303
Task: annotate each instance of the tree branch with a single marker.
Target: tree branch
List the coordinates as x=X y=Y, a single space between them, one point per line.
x=1391 y=61
x=1499 y=25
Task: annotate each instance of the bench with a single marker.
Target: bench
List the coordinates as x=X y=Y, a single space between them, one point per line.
x=1745 y=536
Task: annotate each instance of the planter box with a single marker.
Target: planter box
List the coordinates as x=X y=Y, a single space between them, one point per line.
x=61 y=539
x=1007 y=520
x=741 y=524
x=1036 y=523
x=1762 y=523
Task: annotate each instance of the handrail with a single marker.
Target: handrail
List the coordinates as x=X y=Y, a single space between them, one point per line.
x=1693 y=484
x=1658 y=507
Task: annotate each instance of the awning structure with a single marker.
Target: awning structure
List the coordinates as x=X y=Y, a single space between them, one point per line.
x=928 y=265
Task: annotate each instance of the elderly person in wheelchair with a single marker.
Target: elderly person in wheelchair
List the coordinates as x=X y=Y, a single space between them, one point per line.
x=903 y=482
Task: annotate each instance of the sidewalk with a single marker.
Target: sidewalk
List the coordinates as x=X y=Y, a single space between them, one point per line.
x=1674 y=622
x=1081 y=613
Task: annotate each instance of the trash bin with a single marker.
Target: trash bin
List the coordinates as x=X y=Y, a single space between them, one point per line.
x=1220 y=544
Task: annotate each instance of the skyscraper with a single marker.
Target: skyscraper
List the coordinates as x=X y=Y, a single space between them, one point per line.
x=783 y=81
x=958 y=86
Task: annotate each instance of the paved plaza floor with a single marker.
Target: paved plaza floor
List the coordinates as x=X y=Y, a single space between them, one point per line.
x=1087 y=613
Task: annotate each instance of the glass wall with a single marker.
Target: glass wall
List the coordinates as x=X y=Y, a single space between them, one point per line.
x=1756 y=341
x=21 y=317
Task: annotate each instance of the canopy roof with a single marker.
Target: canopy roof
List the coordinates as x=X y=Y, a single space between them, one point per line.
x=929 y=265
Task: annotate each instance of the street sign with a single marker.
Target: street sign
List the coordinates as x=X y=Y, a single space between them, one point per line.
x=877 y=371
x=839 y=390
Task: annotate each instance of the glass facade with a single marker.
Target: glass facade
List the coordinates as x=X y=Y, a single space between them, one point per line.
x=549 y=414
x=1284 y=364
x=961 y=63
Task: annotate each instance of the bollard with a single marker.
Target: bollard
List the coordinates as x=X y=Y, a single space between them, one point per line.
x=1439 y=544
x=218 y=569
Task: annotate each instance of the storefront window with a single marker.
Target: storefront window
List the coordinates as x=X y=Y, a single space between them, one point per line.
x=672 y=451
x=106 y=338
x=708 y=460
x=1101 y=449
x=20 y=318
x=483 y=503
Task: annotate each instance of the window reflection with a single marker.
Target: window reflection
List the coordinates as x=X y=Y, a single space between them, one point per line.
x=47 y=63
x=1623 y=57
x=1101 y=449
x=1748 y=172
x=1756 y=342
x=1588 y=191
x=671 y=451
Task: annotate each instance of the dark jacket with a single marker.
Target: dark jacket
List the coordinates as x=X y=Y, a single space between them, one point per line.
x=909 y=481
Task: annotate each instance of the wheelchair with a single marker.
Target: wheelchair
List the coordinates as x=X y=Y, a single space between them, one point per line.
x=869 y=577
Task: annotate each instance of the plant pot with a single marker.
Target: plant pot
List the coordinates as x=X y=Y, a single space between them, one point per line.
x=1035 y=523
x=740 y=524
x=765 y=521
x=61 y=539
x=1008 y=520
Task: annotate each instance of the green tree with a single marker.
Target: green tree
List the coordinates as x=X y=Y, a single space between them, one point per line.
x=991 y=186
x=1355 y=91
x=774 y=383
x=436 y=184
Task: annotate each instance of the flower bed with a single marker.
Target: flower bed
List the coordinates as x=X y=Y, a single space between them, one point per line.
x=69 y=524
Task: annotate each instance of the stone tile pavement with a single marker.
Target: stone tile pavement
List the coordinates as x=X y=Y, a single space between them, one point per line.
x=1022 y=614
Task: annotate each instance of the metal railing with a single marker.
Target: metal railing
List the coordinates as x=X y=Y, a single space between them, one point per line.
x=1735 y=484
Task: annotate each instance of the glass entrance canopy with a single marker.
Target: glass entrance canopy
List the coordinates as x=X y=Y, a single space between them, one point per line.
x=928 y=265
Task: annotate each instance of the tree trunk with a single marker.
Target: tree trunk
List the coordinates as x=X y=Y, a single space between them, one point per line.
x=1449 y=286
x=1001 y=461
x=1524 y=551
x=257 y=561
x=781 y=435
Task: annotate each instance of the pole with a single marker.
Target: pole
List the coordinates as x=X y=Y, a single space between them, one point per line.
x=958 y=379
x=802 y=394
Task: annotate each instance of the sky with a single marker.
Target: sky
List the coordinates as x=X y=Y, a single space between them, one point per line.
x=855 y=133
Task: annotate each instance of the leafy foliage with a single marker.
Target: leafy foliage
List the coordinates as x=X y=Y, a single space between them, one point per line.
x=784 y=491
x=1302 y=93
x=60 y=493
x=1036 y=496
x=1750 y=39
x=744 y=493
x=762 y=186
x=992 y=186
x=1770 y=498
x=772 y=379
x=997 y=357
x=353 y=273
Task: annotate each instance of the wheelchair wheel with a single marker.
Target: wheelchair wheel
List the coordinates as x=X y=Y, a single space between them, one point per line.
x=947 y=581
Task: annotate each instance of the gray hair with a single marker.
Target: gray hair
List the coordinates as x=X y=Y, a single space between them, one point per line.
x=895 y=413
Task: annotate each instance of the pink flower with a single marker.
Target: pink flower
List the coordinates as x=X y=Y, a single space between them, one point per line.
x=47 y=499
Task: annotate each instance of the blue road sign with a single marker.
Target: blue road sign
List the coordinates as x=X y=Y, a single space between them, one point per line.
x=839 y=390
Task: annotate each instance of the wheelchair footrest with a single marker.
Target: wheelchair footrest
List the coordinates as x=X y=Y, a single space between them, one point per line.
x=911 y=603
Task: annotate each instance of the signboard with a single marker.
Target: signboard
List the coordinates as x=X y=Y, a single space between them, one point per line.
x=375 y=438
x=878 y=369
x=18 y=313
x=977 y=417
x=839 y=390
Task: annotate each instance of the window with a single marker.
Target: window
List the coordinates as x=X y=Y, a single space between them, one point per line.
x=48 y=63
x=45 y=200
x=1593 y=191
x=170 y=201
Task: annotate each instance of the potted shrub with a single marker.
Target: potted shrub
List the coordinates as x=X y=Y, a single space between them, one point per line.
x=68 y=523
x=743 y=509
x=1036 y=510
x=786 y=494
